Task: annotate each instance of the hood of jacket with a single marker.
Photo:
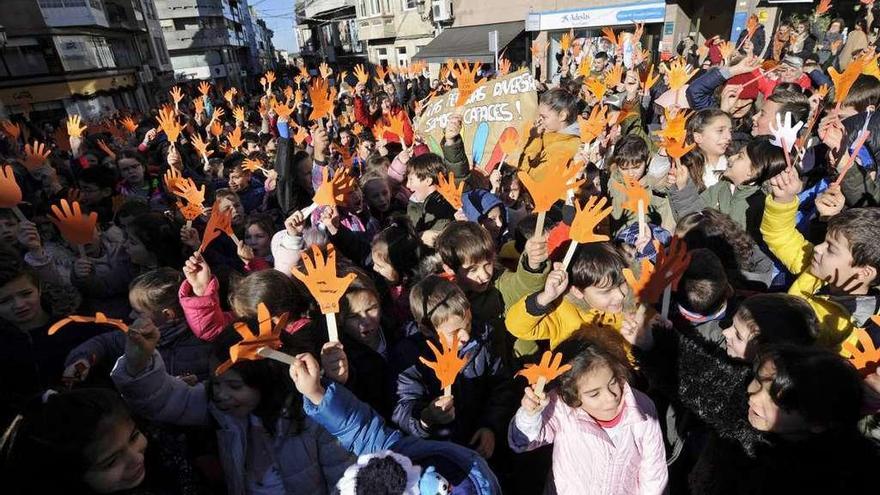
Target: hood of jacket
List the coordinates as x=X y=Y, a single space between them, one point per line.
x=476 y=203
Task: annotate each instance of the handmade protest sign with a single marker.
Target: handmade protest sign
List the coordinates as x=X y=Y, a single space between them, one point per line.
x=324 y=285
x=248 y=349
x=493 y=107
x=447 y=364
x=547 y=370
x=99 y=318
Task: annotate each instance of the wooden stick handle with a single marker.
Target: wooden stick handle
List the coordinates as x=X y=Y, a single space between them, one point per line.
x=539 y=387
x=19 y=214
x=447 y=391
x=572 y=247
x=332 y=331
x=641 y=212
x=269 y=353
x=81 y=250
x=667 y=297
x=308 y=210
x=539 y=226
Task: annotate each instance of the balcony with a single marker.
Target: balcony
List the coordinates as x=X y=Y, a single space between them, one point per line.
x=376 y=27
x=176 y=9
x=196 y=38
x=319 y=7
x=62 y=13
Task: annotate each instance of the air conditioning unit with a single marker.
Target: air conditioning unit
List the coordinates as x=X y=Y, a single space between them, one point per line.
x=441 y=10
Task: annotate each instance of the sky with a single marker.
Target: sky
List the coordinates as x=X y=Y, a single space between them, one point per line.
x=278 y=15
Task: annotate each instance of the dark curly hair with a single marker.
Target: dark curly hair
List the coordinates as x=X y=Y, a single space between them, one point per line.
x=585 y=355
x=718 y=233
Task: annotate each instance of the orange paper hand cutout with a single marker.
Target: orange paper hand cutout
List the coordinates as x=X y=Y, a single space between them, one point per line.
x=465 y=77
x=35 y=156
x=187 y=190
x=10 y=193
x=549 y=368
x=751 y=26
x=537 y=50
x=381 y=73
x=634 y=192
x=321 y=279
x=301 y=135
x=252 y=165
x=172 y=179
x=508 y=143
x=229 y=95
x=446 y=187
x=503 y=67
x=614 y=76
x=217 y=129
x=238 y=114
x=867 y=359
x=220 y=222
x=12 y=130
x=76 y=227
x=824 y=6
x=671 y=265
x=200 y=145
x=246 y=350
x=608 y=34
x=282 y=110
x=332 y=192
x=190 y=211
x=596 y=87
x=675 y=126
x=679 y=74
x=176 y=95
x=448 y=364
x=726 y=48
x=322 y=104
x=594 y=126
x=168 y=123
x=75 y=128
x=587 y=218
x=396 y=127
x=99 y=318
x=270 y=78
x=235 y=139
x=361 y=74
x=554 y=186
x=676 y=149
x=204 y=88
x=565 y=41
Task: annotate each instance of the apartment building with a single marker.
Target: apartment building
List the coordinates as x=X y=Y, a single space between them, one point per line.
x=395 y=30
x=89 y=57
x=327 y=30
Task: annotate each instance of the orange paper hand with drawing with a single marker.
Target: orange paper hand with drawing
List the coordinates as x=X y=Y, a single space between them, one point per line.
x=220 y=222
x=269 y=336
x=321 y=279
x=447 y=365
x=594 y=126
x=333 y=191
x=446 y=188
x=547 y=370
x=99 y=318
x=554 y=185
x=75 y=226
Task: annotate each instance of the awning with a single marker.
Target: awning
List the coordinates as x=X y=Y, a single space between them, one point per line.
x=469 y=43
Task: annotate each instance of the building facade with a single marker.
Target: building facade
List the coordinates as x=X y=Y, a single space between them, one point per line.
x=211 y=39
x=89 y=57
x=395 y=30
x=326 y=31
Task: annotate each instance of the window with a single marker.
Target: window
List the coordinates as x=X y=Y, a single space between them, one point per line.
x=25 y=60
x=375 y=7
x=410 y=4
x=161 y=51
x=402 y=59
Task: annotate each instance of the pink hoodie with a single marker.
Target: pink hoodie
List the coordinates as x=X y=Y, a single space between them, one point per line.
x=585 y=459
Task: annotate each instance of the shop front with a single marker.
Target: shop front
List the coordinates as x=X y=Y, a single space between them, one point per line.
x=588 y=23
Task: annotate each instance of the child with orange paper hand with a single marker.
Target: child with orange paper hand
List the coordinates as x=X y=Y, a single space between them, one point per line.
x=630 y=159
x=740 y=192
x=482 y=400
x=263 y=438
x=242 y=182
x=558 y=131
x=591 y=293
x=593 y=405
x=427 y=210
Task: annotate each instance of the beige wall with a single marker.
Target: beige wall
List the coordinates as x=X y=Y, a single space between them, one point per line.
x=476 y=12
x=392 y=29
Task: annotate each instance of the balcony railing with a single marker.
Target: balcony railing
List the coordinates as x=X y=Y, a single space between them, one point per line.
x=377 y=27
x=197 y=38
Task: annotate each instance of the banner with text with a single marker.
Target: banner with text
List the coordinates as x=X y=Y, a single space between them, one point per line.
x=496 y=109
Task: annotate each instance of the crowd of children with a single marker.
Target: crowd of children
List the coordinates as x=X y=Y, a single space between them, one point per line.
x=120 y=360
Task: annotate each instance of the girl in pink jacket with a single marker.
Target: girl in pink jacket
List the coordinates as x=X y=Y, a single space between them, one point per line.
x=605 y=435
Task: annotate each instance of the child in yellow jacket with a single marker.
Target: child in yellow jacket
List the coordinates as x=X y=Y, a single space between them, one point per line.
x=593 y=300
x=848 y=260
